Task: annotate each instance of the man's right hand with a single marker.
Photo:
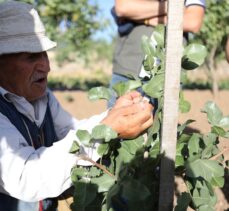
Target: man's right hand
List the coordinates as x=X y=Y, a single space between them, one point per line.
x=130 y=117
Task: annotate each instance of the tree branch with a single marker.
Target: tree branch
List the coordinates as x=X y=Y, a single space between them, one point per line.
x=97 y=165
x=218 y=155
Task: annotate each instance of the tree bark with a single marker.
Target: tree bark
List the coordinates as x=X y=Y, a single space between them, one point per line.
x=212 y=69
x=174 y=37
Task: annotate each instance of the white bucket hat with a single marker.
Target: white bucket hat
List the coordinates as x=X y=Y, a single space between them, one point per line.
x=21 y=29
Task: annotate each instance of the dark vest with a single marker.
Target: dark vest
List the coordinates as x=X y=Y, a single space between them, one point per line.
x=45 y=132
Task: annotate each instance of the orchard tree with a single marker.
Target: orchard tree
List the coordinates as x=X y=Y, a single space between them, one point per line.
x=127 y=175
x=213 y=35
x=71 y=23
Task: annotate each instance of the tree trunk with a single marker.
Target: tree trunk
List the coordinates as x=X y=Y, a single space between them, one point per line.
x=174 y=35
x=212 y=69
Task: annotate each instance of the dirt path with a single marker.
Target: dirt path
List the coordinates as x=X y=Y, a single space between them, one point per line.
x=81 y=107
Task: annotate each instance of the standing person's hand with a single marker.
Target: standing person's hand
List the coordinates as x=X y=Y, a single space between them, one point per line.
x=130 y=116
x=154 y=21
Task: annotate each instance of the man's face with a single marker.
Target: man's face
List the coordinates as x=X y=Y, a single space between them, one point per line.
x=25 y=74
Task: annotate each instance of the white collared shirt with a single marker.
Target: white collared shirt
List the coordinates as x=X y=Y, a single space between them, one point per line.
x=32 y=175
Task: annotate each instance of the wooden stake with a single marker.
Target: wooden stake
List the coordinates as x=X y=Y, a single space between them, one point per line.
x=174 y=39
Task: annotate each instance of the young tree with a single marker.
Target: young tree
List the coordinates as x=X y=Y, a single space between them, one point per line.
x=213 y=35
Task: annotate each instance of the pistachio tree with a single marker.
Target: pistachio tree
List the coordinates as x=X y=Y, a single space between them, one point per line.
x=213 y=35
x=127 y=175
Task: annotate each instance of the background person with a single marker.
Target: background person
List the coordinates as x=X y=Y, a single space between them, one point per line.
x=36 y=133
x=136 y=18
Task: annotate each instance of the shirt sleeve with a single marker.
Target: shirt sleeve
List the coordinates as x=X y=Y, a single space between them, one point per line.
x=33 y=175
x=195 y=2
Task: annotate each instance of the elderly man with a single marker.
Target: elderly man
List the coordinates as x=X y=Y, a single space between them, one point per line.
x=35 y=132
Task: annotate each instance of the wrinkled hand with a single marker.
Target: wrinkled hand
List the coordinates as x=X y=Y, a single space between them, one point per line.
x=130 y=116
x=128 y=99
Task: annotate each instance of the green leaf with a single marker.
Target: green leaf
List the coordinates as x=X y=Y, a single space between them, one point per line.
x=155 y=149
x=193 y=56
x=218 y=182
x=204 y=194
x=78 y=172
x=104 y=182
x=214 y=114
x=208 y=152
x=147 y=47
x=184 y=105
x=183 y=201
x=187 y=64
x=184 y=77
x=133 y=145
x=124 y=156
x=148 y=64
x=191 y=159
x=85 y=194
x=133 y=190
x=75 y=147
x=218 y=131
x=224 y=122
x=99 y=93
x=155 y=86
x=159 y=35
x=206 y=208
x=111 y=193
x=84 y=137
x=103 y=132
x=123 y=87
x=201 y=197
x=210 y=139
x=156 y=124
x=206 y=169
x=189 y=185
x=184 y=138
x=94 y=171
x=179 y=156
x=179 y=161
x=103 y=149
x=193 y=144
x=181 y=128
x=209 y=187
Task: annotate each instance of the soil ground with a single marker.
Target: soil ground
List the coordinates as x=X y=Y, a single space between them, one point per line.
x=77 y=103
